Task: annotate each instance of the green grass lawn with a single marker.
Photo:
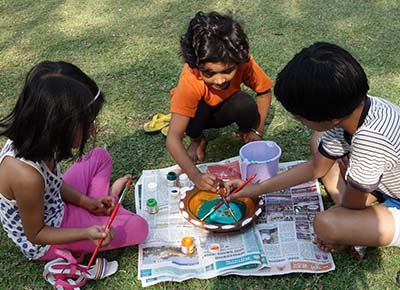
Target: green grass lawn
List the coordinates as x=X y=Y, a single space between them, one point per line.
x=131 y=49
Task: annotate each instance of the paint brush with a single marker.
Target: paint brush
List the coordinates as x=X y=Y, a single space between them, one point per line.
x=229 y=208
x=219 y=204
x=110 y=220
x=223 y=191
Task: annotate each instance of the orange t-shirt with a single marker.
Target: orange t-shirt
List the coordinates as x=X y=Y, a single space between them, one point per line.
x=191 y=88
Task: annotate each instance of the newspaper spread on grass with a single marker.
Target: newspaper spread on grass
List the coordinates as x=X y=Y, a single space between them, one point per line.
x=280 y=242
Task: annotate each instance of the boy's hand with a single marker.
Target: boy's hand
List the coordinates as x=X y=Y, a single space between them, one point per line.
x=206 y=181
x=101 y=205
x=95 y=233
x=250 y=190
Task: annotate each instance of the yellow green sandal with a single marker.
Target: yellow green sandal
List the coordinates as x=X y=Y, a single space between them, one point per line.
x=158 y=122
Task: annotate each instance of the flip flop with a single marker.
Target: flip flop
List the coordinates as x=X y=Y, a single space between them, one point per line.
x=63 y=275
x=157 y=122
x=164 y=131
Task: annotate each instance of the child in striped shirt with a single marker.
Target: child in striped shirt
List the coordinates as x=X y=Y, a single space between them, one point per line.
x=357 y=154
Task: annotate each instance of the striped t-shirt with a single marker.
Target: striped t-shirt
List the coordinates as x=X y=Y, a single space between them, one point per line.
x=373 y=150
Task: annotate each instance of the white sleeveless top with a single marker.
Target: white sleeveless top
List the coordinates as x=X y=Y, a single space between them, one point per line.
x=53 y=206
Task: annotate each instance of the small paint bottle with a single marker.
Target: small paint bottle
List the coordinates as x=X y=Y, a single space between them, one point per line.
x=184 y=180
x=152 y=206
x=173 y=192
x=187 y=246
x=183 y=191
x=171 y=179
x=152 y=187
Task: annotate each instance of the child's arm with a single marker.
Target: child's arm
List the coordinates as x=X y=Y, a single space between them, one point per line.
x=175 y=147
x=29 y=197
x=304 y=172
x=263 y=104
x=258 y=81
x=102 y=205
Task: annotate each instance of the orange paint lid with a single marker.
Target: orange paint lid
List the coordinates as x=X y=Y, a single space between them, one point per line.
x=187 y=242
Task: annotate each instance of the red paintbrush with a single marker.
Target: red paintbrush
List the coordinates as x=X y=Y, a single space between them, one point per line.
x=219 y=204
x=110 y=220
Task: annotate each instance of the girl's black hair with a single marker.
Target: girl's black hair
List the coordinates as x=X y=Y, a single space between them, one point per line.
x=321 y=83
x=55 y=106
x=214 y=38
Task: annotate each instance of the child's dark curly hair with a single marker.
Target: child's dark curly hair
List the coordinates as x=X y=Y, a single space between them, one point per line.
x=214 y=38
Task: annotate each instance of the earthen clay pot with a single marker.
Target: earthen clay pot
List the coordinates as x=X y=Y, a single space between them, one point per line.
x=191 y=202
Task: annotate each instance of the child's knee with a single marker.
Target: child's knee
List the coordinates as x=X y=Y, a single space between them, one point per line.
x=141 y=229
x=100 y=154
x=245 y=104
x=325 y=226
x=250 y=108
x=395 y=242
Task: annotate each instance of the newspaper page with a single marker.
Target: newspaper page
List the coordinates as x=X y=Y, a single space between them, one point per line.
x=280 y=242
x=160 y=256
x=287 y=233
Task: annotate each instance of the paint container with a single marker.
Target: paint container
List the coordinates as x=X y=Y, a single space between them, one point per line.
x=183 y=191
x=171 y=179
x=187 y=246
x=184 y=180
x=152 y=206
x=173 y=192
x=261 y=157
x=152 y=187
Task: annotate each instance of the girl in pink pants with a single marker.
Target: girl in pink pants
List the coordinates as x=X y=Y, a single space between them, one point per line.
x=41 y=210
x=91 y=176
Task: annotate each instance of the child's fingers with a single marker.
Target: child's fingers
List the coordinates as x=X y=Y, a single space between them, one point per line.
x=109 y=210
x=109 y=237
x=108 y=201
x=112 y=233
x=97 y=232
x=234 y=183
x=96 y=206
x=242 y=193
x=208 y=182
x=107 y=231
x=234 y=196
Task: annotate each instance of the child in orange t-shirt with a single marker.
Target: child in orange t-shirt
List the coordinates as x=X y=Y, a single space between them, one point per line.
x=208 y=94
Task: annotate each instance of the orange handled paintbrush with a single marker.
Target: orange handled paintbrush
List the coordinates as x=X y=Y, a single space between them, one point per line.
x=110 y=220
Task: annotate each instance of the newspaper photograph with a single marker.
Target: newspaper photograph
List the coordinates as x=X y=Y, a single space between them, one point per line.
x=281 y=241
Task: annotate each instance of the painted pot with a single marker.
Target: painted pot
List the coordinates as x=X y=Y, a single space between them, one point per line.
x=192 y=200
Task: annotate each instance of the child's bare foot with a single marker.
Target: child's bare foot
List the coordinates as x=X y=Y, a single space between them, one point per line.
x=119 y=184
x=196 y=149
x=332 y=248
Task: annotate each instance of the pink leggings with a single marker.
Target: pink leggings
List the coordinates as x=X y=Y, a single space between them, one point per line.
x=91 y=176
